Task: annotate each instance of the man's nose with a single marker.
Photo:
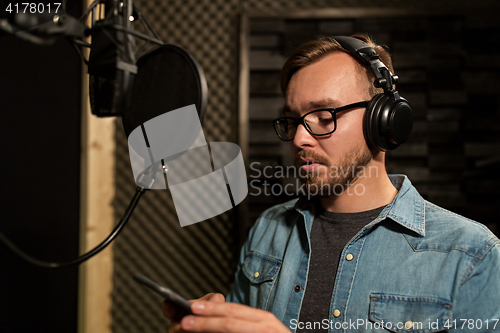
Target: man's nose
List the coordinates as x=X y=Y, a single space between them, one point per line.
x=303 y=137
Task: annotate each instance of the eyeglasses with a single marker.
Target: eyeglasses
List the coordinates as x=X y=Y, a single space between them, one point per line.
x=318 y=122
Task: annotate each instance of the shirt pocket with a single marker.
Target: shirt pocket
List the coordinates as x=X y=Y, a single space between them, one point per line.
x=416 y=314
x=261 y=270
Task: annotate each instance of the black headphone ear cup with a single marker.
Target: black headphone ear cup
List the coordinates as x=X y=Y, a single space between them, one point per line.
x=387 y=123
x=399 y=122
x=371 y=121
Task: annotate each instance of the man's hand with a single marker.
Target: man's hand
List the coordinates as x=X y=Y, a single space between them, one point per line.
x=212 y=314
x=169 y=310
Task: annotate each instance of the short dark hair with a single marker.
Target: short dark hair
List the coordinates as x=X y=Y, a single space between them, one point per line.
x=315 y=50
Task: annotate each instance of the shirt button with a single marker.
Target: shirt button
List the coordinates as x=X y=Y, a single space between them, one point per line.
x=297 y=288
x=349 y=257
x=256 y=274
x=409 y=324
x=336 y=313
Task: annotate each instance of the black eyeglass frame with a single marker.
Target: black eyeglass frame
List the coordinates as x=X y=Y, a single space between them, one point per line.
x=333 y=111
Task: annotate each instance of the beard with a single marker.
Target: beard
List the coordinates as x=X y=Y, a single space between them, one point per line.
x=328 y=179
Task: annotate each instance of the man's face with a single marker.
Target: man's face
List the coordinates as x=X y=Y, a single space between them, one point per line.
x=336 y=159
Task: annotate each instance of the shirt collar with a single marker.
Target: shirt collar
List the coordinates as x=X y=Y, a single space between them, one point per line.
x=407 y=207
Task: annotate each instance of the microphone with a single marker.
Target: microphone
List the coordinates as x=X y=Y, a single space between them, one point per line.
x=169 y=78
x=112 y=63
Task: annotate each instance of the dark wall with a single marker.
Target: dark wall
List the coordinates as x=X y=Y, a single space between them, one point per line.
x=154 y=243
x=449 y=72
x=40 y=100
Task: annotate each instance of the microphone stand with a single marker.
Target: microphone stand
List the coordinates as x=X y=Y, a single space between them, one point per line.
x=73 y=29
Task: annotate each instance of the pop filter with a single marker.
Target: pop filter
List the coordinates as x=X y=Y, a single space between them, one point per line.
x=168 y=78
x=163 y=113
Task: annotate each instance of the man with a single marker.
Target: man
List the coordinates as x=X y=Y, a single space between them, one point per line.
x=367 y=253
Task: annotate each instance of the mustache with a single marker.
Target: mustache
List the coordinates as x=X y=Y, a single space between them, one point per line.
x=308 y=154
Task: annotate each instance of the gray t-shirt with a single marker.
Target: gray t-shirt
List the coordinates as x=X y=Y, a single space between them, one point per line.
x=329 y=235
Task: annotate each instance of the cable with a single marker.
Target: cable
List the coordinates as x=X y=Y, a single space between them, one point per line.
x=118 y=228
x=129 y=31
x=80 y=42
x=143 y=21
x=85 y=15
x=107 y=24
x=137 y=34
x=76 y=43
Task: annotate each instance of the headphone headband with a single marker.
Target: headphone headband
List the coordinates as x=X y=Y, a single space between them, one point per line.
x=367 y=55
x=388 y=119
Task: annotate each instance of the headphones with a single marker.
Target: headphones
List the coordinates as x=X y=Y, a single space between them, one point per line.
x=388 y=119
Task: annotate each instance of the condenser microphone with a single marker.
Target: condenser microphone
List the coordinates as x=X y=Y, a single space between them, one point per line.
x=112 y=60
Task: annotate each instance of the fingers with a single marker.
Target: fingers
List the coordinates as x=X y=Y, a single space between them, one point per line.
x=175 y=328
x=233 y=310
x=230 y=317
x=213 y=315
x=231 y=325
x=171 y=312
x=212 y=325
x=213 y=297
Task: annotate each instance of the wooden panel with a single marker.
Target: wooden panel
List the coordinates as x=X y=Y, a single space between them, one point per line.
x=97 y=216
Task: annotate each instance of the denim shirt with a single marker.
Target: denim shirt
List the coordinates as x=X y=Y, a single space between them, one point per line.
x=415 y=268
